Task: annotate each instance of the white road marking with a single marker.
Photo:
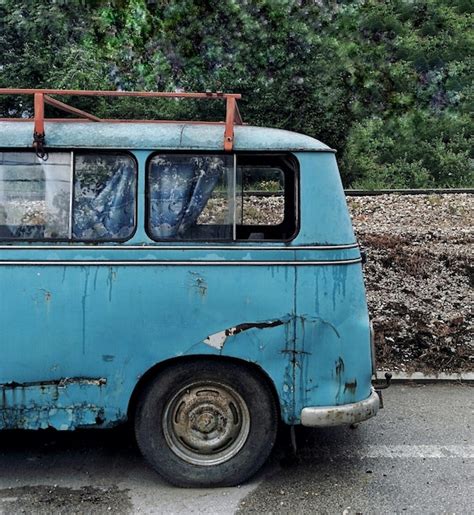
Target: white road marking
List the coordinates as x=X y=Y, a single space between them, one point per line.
x=400 y=451
x=417 y=451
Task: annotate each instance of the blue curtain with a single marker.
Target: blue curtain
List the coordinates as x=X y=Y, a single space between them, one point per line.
x=106 y=212
x=180 y=187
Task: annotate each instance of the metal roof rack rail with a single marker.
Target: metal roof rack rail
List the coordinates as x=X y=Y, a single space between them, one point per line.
x=42 y=97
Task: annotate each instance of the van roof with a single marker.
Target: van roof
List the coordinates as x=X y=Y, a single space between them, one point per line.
x=156 y=135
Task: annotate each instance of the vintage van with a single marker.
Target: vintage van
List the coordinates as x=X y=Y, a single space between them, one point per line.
x=200 y=279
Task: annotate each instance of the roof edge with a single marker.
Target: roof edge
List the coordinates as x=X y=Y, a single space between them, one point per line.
x=156 y=135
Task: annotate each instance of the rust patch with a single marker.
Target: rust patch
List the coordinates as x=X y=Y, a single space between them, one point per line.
x=56 y=382
x=350 y=386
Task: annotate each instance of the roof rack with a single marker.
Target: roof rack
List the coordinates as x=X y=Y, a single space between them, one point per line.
x=42 y=97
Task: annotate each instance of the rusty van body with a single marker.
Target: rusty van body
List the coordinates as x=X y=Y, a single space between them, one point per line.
x=203 y=287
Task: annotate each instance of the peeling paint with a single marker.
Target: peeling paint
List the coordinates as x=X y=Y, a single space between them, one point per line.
x=198 y=283
x=61 y=383
x=217 y=340
x=287 y=393
x=60 y=404
x=339 y=375
x=44 y=417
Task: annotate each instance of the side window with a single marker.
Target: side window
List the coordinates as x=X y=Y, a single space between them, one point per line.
x=218 y=197
x=67 y=197
x=267 y=189
x=104 y=197
x=190 y=197
x=262 y=191
x=34 y=196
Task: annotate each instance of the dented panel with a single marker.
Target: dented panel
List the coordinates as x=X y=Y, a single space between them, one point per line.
x=217 y=340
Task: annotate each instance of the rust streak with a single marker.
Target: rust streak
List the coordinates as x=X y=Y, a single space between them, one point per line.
x=350 y=386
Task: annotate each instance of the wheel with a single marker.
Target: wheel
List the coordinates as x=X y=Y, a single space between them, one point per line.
x=206 y=423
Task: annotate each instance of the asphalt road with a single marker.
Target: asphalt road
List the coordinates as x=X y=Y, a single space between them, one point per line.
x=416 y=456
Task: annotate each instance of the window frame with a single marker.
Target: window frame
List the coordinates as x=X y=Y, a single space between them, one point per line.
x=295 y=204
x=136 y=199
x=75 y=151
x=294 y=168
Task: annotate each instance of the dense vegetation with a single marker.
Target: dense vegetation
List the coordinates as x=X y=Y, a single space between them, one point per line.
x=386 y=83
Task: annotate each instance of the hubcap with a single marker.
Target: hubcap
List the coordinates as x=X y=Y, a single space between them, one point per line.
x=206 y=423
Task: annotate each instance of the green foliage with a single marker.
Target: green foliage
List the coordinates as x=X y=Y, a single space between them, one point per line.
x=413 y=95
x=415 y=150
x=387 y=83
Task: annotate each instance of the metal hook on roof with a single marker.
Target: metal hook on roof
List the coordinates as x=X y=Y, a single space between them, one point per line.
x=38 y=133
x=38 y=145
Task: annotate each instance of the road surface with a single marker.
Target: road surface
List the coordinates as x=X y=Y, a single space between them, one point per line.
x=417 y=455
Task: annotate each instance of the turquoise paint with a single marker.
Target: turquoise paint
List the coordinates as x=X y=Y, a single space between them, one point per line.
x=168 y=136
x=324 y=214
x=83 y=323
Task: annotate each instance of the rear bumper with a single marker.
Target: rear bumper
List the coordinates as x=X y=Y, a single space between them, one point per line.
x=324 y=416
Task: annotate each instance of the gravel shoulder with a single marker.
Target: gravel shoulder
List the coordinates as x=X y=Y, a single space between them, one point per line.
x=419 y=279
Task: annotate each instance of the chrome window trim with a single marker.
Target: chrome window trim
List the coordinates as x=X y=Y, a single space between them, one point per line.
x=175 y=263
x=71 y=195
x=180 y=247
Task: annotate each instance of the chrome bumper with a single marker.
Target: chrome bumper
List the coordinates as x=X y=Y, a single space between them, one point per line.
x=324 y=416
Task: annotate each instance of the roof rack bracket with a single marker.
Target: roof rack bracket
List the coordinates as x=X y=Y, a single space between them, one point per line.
x=38 y=132
x=41 y=96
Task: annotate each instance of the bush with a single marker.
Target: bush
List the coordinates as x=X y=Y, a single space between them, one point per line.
x=414 y=150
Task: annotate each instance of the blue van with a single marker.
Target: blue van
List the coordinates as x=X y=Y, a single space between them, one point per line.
x=200 y=279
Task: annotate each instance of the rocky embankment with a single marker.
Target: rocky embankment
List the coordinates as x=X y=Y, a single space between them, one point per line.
x=419 y=278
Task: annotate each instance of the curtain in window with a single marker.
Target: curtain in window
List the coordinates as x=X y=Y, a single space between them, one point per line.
x=105 y=210
x=179 y=190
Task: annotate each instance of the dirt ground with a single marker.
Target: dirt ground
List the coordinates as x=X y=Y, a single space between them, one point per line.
x=419 y=278
x=44 y=500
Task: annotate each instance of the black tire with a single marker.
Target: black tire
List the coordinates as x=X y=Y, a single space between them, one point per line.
x=206 y=423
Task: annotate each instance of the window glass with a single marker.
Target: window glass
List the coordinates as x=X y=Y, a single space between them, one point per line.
x=262 y=192
x=104 y=197
x=266 y=188
x=206 y=197
x=34 y=196
x=191 y=197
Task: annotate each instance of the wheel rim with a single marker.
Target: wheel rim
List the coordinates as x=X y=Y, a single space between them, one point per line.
x=206 y=423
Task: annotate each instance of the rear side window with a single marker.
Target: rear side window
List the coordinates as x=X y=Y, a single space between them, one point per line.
x=70 y=196
x=220 y=197
x=267 y=195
